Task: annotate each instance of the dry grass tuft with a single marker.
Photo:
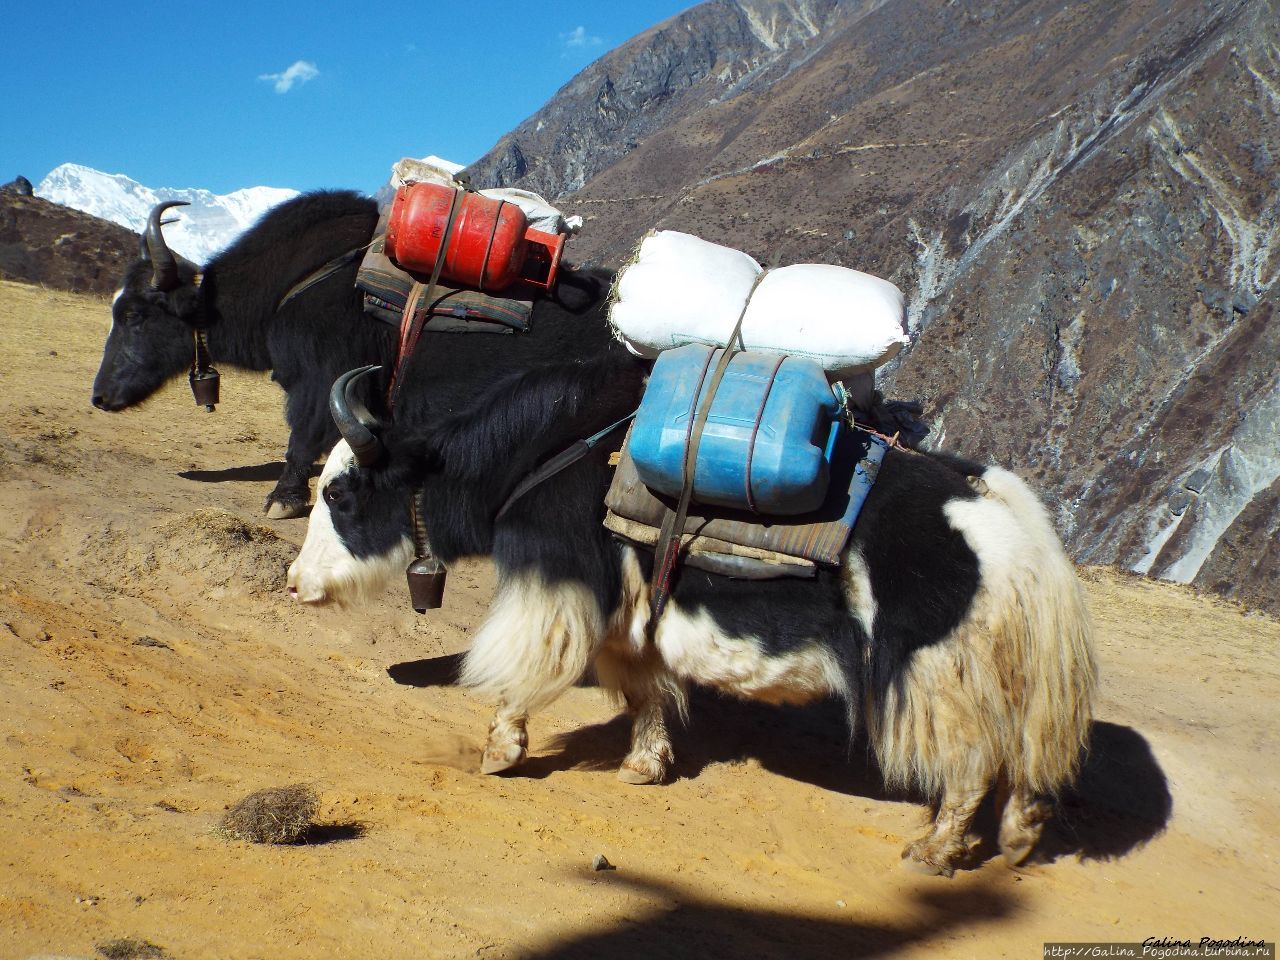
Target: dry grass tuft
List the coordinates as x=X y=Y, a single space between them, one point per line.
x=277 y=815
x=127 y=949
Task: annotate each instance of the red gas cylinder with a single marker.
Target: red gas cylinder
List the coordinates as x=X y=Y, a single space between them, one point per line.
x=490 y=248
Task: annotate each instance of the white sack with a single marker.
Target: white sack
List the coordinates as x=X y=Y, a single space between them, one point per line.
x=845 y=319
x=682 y=289
x=540 y=214
x=409 y=169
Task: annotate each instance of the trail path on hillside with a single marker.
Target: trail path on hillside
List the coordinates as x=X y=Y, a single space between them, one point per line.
x=153 y=672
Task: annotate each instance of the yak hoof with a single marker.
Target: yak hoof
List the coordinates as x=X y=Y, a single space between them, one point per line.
x=498 y=759
x=1016 y=855
x=285 y=509
x=915 y=859
x=1021 y=825
x=633 y=775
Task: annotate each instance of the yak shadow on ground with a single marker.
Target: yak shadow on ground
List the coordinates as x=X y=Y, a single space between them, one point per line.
x=258 y=473
x=686 y=928
x=439 y=671
x=1120 y=801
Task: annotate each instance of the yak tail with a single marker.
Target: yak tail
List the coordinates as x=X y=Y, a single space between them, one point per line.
x=1010 y=691
x=1048 y=627
x=535 y=643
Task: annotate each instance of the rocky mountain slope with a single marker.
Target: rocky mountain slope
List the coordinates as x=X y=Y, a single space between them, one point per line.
x=46 y=243
x=1080 y=201
x=79 y=230
x=661 y=77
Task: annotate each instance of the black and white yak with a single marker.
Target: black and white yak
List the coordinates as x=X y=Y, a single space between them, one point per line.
x=955 y=628
x=305 y=343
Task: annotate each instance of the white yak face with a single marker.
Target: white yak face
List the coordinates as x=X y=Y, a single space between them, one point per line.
x=358 y=536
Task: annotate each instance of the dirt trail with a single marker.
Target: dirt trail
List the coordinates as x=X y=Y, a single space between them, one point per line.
x=153 y=672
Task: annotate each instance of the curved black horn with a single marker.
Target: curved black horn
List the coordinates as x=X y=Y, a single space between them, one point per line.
x=143 y=253
x=356 y=424
x=164 y=265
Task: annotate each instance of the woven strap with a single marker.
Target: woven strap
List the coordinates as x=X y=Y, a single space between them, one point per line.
x=202 y=361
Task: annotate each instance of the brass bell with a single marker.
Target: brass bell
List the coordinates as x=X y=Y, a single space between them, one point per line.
x=426 y=576
x=204 y=387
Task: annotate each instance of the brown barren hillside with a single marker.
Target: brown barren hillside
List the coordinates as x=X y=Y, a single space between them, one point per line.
x=1081 y=202
x=46 y=243
x=153 y=673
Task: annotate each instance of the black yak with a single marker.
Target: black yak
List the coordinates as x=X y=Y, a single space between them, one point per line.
x=237 y=298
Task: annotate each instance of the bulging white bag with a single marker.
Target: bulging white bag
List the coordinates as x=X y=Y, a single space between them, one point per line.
x=679 y=285
x=682 y=289
x=845 y=319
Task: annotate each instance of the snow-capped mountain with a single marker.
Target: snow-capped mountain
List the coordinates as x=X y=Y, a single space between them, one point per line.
x=208 y=225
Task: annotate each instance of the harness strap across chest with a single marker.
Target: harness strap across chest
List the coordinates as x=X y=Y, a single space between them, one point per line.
x=561 y=461
x=323 y=273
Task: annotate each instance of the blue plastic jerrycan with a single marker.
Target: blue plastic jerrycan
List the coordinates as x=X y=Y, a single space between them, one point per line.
x=768 y=440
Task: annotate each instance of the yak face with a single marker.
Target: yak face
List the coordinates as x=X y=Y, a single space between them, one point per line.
x=358 y=536
x=151 y=339
x=152 y=319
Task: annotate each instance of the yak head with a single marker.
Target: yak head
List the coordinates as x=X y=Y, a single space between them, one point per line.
x=358 y=535
x=153 y=317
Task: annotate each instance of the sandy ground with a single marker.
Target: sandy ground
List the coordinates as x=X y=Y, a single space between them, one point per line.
x=153 y=672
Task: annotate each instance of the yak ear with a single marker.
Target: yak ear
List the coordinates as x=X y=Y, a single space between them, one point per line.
x=187 y=304
x=412 y=456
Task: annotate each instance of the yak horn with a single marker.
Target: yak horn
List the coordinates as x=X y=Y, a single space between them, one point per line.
x=164 y=265
x=356 y=424
x=143 y=253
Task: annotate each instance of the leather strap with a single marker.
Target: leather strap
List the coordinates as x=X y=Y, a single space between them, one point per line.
x=413 y=320
x=411 y=323
x=755 y=432
x=323 y=273
x=484 y=265
x=561 y=461
x=666 y=552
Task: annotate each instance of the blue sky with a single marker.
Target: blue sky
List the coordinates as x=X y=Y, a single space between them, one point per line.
x=303 y=95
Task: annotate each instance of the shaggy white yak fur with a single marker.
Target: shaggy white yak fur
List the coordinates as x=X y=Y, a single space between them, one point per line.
x=1004 y=700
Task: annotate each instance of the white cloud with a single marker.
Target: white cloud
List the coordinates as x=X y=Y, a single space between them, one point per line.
x=300 y=72
x=578 y=38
